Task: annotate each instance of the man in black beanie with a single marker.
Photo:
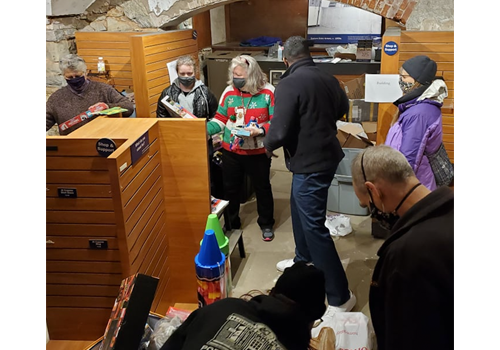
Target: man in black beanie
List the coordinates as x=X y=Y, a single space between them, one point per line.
x=281 y=320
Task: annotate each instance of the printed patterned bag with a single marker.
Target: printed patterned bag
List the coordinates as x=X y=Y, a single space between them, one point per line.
x=441 y=167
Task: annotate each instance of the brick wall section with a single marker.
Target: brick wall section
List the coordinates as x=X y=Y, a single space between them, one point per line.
x=396 y=10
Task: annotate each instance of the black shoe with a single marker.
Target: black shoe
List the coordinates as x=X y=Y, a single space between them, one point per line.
x=267 y=234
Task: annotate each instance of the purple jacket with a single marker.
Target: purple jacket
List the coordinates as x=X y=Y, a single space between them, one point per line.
x=419 y=131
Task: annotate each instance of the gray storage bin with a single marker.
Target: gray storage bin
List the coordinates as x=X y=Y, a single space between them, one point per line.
x=332 y=203
x=341 y=196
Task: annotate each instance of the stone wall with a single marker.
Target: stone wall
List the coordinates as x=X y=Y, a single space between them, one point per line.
x=155 y=15
x=431 y=15
x=113 y=16
x=60 y=33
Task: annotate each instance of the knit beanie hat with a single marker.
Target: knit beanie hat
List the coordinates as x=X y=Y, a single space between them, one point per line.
x=304 y=284
x=421 y=68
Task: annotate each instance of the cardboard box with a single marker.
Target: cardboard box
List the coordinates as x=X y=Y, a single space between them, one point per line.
x=362 y=111
x=349 y=137
x=370 y=130
x=130 y=313
x=355 y=88
x=364 y=51
x=359 y=109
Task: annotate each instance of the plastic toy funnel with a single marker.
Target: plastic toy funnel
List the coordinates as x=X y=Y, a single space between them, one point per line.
x=213 y=224
x=210 y=254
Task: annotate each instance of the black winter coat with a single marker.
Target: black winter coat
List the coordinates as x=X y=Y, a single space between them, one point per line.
x=411 y=294
x=308 y=103
x=204 y=103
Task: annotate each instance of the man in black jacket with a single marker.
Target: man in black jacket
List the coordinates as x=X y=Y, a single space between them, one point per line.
x=411 y=293
x=308 y=103
x=280 y=320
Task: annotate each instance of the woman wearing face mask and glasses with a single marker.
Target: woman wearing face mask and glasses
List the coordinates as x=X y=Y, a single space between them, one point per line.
x=70 y=106
x=416 y=130
x=245 y=111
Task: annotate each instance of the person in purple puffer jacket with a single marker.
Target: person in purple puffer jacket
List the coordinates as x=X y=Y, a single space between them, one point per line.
x=417 y=129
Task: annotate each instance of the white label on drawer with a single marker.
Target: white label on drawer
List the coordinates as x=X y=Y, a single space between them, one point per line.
x=123 y=167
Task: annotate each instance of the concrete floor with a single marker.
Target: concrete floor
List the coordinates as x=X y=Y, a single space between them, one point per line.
x=358 y=250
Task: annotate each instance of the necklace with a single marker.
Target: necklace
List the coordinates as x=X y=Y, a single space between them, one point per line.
x=242 y=115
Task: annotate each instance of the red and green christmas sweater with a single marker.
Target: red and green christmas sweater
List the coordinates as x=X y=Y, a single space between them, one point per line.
x=236 y=108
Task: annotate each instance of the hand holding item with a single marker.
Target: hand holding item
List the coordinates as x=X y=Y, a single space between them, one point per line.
x=254 y=128
x=255 y=131
x=99 y=106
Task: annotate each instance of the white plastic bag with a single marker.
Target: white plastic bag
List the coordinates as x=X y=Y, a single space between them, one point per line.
x=353 y=330
x=163 y=330
x=338 y=224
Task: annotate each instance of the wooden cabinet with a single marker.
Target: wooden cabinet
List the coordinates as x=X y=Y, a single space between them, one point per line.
x=147 y=212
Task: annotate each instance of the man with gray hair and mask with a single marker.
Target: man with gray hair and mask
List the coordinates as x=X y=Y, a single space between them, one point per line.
x=411 y=293
x=308 y=103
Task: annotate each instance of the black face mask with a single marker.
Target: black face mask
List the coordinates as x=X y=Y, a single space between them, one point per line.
x=77 y=83
x=186 y=81
x=385 y=220
x=239 y=82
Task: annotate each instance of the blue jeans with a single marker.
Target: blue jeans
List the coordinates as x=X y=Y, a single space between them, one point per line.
x=313 y=242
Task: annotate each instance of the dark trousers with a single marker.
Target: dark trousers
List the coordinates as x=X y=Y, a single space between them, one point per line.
x=313 y=242
x=258 y=167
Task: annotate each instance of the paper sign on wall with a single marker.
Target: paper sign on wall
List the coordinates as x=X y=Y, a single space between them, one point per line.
x=172 y=70
x=382 y=88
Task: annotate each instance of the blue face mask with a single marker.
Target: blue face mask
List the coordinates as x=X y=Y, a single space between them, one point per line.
x=77 y=83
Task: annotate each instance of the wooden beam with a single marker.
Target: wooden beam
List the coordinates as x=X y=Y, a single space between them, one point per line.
x=389 y=65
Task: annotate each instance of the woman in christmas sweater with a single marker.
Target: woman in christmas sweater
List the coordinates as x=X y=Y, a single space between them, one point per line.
x=245 y=111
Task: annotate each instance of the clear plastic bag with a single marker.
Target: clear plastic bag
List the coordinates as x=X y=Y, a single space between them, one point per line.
x=163 y=330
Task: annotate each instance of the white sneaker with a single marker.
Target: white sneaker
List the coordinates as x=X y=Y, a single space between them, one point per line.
x=283 y=264
x=327 y=318
x=345 y=307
